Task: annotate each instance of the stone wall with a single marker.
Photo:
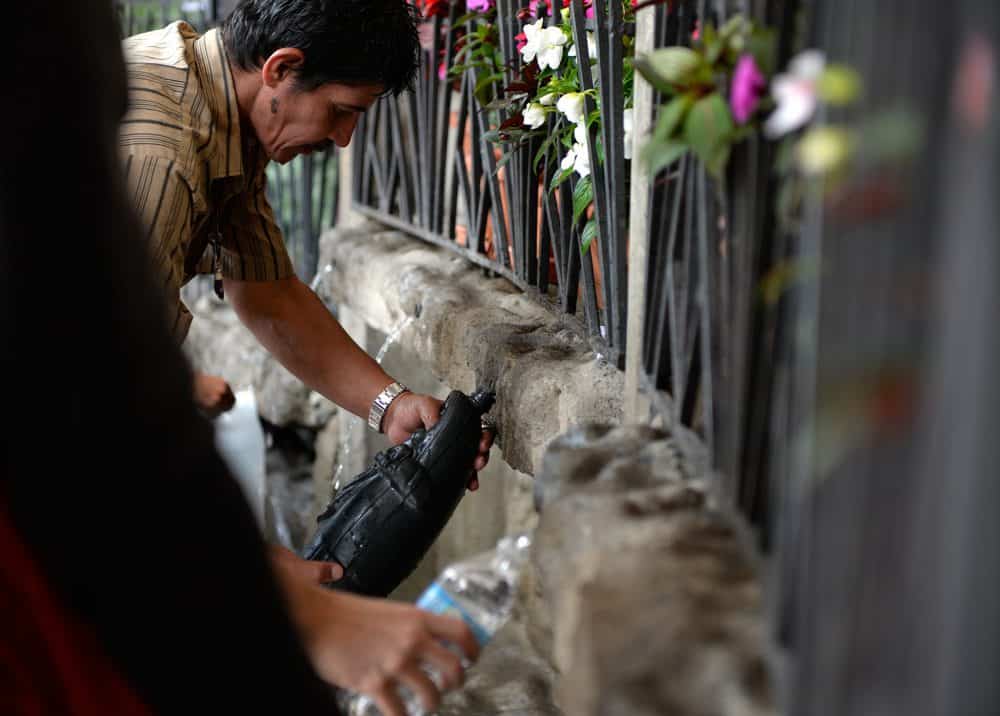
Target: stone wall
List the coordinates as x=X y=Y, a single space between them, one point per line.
x=641 y=597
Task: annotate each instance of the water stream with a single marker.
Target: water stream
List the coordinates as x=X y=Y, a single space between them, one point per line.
x=353 y=422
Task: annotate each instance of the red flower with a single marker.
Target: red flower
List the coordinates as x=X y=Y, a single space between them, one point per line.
x=434 y=8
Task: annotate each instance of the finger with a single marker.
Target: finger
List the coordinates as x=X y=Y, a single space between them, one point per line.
x=388 y=701
x=446 y=663
x=326 y=571
x=455 y=631
x=417 y=681
x=473 y=483
x=486 y=442
x=480 y=462
x=430 y=411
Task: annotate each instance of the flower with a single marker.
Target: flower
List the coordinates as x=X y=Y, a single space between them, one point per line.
x=548 y=99
x=545 y=43
x=520 y=39
x=627 y=124
x=534 y=115
x=824 y=150
x=580 y=133
x=578 y=159
x=795 y=94
x=435 y=8
x=479 y=5
x=746 y=89
x=571 y=104
x=591 y=48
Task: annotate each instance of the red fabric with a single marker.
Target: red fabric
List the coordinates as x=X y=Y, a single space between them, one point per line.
x=49 y=663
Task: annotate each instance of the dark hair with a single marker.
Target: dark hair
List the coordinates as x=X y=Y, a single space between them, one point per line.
x=349 y=41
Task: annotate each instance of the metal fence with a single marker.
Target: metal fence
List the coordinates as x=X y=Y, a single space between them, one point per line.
x=423 y=163
x=303 y=193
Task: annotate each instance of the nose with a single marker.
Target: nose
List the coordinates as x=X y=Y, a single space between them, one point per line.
x=343 y=130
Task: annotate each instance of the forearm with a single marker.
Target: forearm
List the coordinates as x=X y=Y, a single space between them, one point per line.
x=293 y=324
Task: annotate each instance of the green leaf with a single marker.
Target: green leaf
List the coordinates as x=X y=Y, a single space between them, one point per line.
x=560 y=176
x=501 y=103
x=583 y=196
x=491 y=136
x=549 y=141
x=659 y=155
x=672 y=116
x=762 y=45
x=669 y=66
x=839 y=85
x=502 y=162
x=588 y=235
x=713 y=44
x=708 y=128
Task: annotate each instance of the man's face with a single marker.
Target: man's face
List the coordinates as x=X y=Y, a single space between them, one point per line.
x=290 y=121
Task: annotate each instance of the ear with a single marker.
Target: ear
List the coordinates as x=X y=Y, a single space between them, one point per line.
x=281 y=65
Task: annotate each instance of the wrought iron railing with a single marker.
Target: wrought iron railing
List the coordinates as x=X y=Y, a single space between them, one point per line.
x=421 y=163
x=424 y=163
x=303 y=192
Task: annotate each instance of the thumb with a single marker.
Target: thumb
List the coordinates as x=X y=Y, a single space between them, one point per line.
x=326 y=571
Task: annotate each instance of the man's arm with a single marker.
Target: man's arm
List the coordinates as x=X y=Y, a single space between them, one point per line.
x=294 y=325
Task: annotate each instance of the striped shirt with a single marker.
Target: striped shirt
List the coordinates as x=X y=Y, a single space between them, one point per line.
x=189 y=170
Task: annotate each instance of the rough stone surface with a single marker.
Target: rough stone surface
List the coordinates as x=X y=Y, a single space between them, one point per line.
x=220 y=345
x=644 y=598
x=473 y=331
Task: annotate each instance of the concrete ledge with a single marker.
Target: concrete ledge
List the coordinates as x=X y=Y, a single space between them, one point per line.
x=473 y=331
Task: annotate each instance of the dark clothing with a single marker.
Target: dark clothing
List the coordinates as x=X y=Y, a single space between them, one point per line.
x=107 y=472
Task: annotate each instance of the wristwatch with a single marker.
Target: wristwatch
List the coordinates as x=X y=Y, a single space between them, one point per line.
x=382 y=402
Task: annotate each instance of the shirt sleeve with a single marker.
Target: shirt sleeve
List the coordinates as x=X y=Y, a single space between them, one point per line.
x=162 y=199
x=253 y=248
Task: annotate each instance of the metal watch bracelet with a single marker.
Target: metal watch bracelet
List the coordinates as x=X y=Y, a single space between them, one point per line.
x=381 y=404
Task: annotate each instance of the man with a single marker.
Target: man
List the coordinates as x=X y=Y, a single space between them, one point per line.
x=279 y=79
x=132 y=578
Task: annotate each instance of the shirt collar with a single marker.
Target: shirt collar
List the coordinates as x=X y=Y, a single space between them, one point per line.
x=216 y=79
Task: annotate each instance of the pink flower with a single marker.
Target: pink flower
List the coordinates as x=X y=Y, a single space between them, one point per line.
x=520 y=39
x=747 y=88
x=479 y=5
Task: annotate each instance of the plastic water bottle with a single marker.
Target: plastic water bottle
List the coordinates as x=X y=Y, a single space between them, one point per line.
x=480 y=591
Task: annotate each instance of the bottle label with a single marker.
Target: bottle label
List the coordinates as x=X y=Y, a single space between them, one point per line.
x=437 y=600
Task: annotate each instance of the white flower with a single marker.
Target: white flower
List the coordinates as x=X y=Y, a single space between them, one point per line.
x=582 y=163
x=545 y=43
x=627 y=124
x=571 y=104
x=580 y=133
x=578 y=159
x=548 y=99
x=569 y=160
x=591 y=48
x=534 y=115
x=795 y=94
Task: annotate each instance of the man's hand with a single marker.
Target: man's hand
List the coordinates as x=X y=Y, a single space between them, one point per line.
x=412 y=411
x=372 y=646
x=213 y=395
x=290 y=564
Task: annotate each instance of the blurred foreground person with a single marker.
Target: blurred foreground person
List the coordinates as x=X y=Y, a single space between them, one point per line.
x=114 y=506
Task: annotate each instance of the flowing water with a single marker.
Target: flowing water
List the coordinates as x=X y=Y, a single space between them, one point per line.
x=353 y=422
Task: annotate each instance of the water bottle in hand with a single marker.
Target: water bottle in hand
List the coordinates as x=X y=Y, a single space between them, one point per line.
x=480 y=591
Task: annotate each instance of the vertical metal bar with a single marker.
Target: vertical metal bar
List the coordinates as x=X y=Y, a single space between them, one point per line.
x=597 y=174
x=310 y=256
